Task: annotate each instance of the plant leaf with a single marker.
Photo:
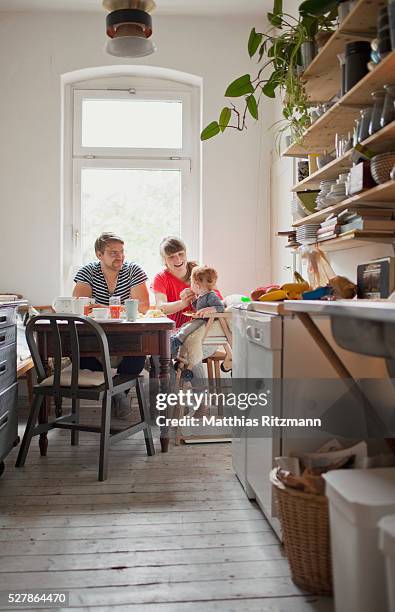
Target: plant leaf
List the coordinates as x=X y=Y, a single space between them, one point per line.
x=252 y=106
x=254 y=41
x=224 y=118
x=269 y=88
x=262 y=50
x=275 y=20
x=317 y=7
x=240 y=87
x=212 y=129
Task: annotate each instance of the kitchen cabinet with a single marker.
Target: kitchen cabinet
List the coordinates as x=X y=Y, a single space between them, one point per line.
x=8 y=384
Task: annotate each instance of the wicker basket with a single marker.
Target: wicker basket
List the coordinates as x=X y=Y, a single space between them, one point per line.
x=305 y=525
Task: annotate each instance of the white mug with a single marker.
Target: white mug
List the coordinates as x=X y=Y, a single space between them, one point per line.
x=79 y=304
x=132 y=308
x=64 y=305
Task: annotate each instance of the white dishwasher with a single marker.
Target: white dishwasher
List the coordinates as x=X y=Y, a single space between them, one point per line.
x=269 y=345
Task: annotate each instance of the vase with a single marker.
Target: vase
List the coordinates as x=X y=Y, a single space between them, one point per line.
x=378 y=103
x=388 y=112
x=307 y=50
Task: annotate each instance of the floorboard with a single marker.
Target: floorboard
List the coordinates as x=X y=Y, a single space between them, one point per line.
x=169 y=533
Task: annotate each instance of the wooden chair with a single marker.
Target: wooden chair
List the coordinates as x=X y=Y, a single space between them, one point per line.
x=224 y=341
x=70 y=383
x=25 y=367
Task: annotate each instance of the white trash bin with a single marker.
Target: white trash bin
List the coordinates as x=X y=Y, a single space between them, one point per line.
x=358 y=499
x=387 y=546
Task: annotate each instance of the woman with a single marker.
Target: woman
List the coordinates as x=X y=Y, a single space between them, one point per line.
x=171 y=286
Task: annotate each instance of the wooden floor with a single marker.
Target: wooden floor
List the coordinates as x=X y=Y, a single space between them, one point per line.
x=169 y=533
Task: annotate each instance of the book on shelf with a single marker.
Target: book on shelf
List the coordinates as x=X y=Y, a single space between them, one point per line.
x=332 y=223
x=365 y=213
x=334 y=229
x=327 y=236
x=359 y=223
x=329 y=220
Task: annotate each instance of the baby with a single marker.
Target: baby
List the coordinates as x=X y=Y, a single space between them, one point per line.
x=203 y=280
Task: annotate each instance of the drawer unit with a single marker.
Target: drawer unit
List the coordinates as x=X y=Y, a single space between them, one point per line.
x=7 y=316
x=7 y=336
x=8 y=383
x=7 y=366
x=8 y=421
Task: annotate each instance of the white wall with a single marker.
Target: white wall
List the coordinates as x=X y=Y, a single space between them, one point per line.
x=35 y=50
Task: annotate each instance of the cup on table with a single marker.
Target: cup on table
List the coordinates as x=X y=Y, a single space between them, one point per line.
x=132 y=308
x=82 y=305
x=100 y=313
x=115 y=306
x=115 y=311
x=64 y=305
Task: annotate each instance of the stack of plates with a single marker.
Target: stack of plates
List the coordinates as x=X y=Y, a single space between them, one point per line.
x=307 y=233
x=325 y=188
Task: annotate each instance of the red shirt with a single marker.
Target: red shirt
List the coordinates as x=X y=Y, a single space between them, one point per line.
x=171 y=286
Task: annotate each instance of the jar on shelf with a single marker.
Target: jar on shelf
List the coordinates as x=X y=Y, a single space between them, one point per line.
x=388 y=111
x=378 y=103
x=366 y=116
x=357 y=58
x=356 y=132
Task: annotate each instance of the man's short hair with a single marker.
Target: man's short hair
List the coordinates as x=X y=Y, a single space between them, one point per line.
x=102 y=241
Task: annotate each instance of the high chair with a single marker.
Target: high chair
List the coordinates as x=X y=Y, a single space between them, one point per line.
x=217 y=332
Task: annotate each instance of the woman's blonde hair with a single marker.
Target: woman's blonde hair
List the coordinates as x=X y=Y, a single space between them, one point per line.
x=170 y=245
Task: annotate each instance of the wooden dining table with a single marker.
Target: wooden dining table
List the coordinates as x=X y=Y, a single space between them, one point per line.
x=145 y=336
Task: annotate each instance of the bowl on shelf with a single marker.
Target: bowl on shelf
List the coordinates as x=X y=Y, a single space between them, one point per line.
x=308 y=200
x=381 y=167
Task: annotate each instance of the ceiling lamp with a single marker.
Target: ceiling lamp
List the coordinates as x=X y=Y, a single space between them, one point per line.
x=129 y=27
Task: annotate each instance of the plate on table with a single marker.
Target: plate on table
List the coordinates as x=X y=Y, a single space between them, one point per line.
x=109 y=320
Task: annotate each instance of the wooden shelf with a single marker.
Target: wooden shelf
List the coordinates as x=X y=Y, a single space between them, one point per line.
x=339 y=118
x=355 y=239
x=380 y=142
x=323 y=75
x=382 y=196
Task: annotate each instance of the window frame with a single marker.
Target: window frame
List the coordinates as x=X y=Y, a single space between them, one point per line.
x=137 y=94
x=188 y=215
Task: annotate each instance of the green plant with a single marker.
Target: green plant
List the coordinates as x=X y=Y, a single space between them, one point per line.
x=279 y=51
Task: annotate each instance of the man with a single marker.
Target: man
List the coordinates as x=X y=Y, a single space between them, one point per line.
x=112 y=276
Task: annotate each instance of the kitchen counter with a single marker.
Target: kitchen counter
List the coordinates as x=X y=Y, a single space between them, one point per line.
x=372 y=310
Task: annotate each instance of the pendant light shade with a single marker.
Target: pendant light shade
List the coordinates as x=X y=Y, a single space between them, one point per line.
x=129 y=28
x=130 y=46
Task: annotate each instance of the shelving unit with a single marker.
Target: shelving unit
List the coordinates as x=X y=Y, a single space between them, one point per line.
x=322 y=76
x=322 y=80
x=354 y=240
x=383 y=194
x=378 y=143
x=320 y=136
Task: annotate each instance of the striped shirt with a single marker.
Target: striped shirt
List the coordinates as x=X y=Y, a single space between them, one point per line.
x=130 y=275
